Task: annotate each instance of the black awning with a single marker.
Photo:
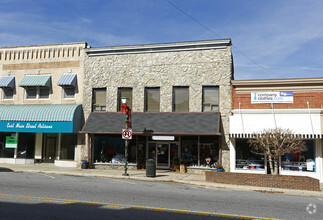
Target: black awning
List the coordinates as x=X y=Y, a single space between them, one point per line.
x=155 y=123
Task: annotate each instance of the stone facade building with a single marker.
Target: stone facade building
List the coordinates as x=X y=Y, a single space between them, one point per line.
x=180 y=97
x=41 y=90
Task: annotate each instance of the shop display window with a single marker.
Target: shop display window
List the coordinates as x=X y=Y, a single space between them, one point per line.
x=4 y=151
x=68 y=144
x=245 y=159
x=111 y=150
x=203 y=154
x=26 y=145
x=304 y=161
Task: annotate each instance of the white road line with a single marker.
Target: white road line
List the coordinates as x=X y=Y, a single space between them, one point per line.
x=47 y=175
x=123 y=181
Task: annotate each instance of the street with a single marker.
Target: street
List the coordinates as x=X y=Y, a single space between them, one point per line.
x=44 y=196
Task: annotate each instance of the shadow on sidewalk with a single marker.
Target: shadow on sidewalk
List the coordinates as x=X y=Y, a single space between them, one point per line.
x=3 y=169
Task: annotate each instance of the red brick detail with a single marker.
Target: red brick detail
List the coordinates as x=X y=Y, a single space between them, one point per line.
x=264 y=180
x=315 y=100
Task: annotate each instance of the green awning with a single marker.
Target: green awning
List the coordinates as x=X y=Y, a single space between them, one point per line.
x=54 y=118
x=36 y=80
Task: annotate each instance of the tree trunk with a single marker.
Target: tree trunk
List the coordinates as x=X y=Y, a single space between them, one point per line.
x=271 y=165
x=276 y=166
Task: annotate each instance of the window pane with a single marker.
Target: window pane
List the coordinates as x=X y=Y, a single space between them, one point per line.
x=125 y=92
x=181 y=103
x=44 y=93
x=245 y=159
x=211 y=98
x=69 y=92
x=99 y=99
x=69 y=141
x=7 y=93
x=31 y=93
x=152 y=100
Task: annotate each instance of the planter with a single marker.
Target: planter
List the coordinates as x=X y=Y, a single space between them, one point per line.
x=219 y=170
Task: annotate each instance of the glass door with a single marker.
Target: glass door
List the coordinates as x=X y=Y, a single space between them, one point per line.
x=163 y=155
x=49 y=153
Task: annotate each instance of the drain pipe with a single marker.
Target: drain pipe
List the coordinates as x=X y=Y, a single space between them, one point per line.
x=309 y=113
x=272 y=111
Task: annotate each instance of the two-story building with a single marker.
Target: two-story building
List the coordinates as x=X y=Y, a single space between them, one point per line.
x=294 y=104
x=41 y=89
x=180 y=97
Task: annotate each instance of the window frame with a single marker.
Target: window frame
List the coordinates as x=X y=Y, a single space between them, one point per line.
x=188 y=98
x=119 y=98
x=210 y=104
x=38 y=88
x=64 y=93
x=103 y=108
x=4 y=93
x=146 y=98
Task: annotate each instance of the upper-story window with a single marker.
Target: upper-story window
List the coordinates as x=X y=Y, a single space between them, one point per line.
x=124 y=93
x=36 y=86
x=7 y=83
x=152 y=99
x=8 y=93
x=99 y=99
x=68 y=82
x=180 y=99
x=210 y=98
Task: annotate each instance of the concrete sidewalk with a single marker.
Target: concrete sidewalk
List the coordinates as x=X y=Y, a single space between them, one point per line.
x=161 y=176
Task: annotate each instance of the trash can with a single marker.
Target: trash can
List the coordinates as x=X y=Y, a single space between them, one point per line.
x=150 y=168
x=84 y=165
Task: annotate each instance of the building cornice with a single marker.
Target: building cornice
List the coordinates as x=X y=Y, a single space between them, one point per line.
x=162 y=47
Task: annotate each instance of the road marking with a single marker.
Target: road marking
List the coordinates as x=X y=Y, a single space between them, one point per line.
x=123 y=181
x=47 y=175
x=124 y=206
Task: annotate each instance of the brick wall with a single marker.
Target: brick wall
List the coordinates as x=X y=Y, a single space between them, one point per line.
x=315 y=100
x=264 y=180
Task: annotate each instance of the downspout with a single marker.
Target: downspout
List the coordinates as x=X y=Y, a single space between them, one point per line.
x=241 y=118
x=272 y=111
x=309 y=113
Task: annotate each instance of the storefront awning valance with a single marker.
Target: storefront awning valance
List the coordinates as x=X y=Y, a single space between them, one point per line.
x=68 y=79
x=305 y=122
x=35 y=80
x=65 y=118
x=155 y=123
x=7 y=82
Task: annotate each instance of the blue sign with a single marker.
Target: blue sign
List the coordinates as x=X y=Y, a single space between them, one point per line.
x=37 y=127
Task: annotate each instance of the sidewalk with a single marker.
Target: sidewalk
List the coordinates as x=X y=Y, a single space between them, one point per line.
x=161 y=176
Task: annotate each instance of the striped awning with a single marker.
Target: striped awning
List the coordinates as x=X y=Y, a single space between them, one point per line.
x=68 y=79
x=7 y=81
x=59 y=112
x=54 y=118
x=35 y=80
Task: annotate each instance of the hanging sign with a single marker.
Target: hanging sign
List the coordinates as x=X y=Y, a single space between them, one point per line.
x=127 y=134
x=11 y=142
x=272 y=97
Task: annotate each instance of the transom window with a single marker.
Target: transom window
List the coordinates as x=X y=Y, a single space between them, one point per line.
x=210 y=98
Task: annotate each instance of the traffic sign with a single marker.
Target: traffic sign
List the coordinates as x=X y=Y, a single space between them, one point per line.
x=127 y=134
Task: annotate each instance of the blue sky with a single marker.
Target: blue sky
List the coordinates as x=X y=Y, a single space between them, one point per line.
x=271 y=39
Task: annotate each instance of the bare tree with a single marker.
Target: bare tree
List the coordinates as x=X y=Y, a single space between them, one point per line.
x=275 y=143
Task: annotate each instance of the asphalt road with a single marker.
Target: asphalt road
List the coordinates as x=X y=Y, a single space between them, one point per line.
x=43 y=196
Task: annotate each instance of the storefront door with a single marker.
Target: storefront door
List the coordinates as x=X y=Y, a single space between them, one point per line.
x=162 y=153
x=50 y=148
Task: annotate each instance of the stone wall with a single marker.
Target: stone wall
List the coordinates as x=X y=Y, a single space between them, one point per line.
x=190 y=67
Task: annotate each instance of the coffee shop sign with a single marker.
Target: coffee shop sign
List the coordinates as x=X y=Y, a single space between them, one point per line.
x=28 y=125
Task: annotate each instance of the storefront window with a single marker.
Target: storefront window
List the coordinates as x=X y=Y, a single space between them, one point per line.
x=206 y=154
x=304 y=161
x=245 y=159
x=68 y=144
x=26 y=145
x=5 y=152
x=111 y=150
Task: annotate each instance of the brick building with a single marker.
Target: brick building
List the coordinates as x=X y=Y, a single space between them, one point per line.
x=296 y=104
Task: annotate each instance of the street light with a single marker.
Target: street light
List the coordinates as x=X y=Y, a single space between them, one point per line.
x=124 y=106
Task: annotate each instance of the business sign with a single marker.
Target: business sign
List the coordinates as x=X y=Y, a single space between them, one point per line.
x=37 y=127
x=11 y=142
x=272 y=97
x=163 y=138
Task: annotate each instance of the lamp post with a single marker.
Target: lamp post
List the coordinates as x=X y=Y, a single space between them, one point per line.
x=126 y=108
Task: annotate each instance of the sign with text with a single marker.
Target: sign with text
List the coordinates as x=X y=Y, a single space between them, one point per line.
x=37 y=127
x=272 y=97
x=11 y=142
